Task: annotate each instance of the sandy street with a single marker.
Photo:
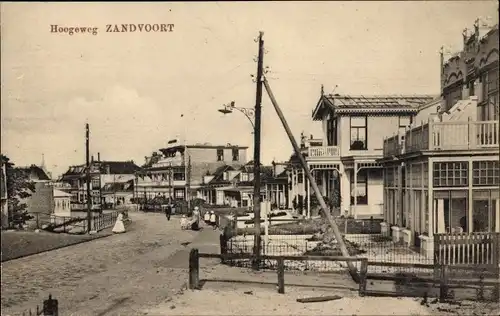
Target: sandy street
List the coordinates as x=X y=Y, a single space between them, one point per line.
x=266 y=301
x=116 y=275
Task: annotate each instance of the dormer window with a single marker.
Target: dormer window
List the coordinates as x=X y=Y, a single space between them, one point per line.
x=236 y=154
x=220 y=154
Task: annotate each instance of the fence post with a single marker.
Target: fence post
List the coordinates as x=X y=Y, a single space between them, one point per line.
x=281 y=276
x=363 y=271
x=37 y=220
x=194 y=269
x=496 y=262
x=50 y=307
x=443 y=286
x=223 y=246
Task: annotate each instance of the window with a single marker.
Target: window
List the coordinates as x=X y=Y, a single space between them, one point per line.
x=361 y=192
x=244 y=176
x=492 y=81
x=485 y=173
x=300 y=178
x=220 y=154
x=179 y=176
x=450 y=174
x=179 y=194
x=236 y=154
x=331 y=132
x=95 y=183
x=359 y=133
x=404 y=122
x=453 y=96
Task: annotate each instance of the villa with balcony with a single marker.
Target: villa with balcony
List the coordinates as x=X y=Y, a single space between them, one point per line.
x=178 y=170
x=442 y=175
x=344 y=162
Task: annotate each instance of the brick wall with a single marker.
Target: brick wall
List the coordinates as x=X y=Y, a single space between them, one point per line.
x=42 y=201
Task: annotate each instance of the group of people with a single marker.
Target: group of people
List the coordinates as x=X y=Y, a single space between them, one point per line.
x=194 y=224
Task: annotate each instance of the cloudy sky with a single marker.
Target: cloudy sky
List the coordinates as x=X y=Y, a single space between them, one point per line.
x=132 y=88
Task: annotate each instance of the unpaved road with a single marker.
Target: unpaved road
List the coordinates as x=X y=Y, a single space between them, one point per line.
x=116 y=275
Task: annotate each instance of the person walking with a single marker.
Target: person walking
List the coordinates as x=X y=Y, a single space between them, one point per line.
x=213 y=220
x=206 y=217
x=196 y=219
x=119 y=227
x=168 y=211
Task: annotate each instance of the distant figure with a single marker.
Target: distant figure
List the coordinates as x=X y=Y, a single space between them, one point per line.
x=195 y=225
x=168 y=211
x=119 y=227
x=206 y=218
x=213 y=219
x=184 y=222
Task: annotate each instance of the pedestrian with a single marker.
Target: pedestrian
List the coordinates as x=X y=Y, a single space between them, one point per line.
x=119 y=227
x=196 y=219
x=207 y=217
x=213 y=219
x=184 y=222
x=168 y=211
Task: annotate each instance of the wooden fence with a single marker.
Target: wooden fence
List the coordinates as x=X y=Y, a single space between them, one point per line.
x=406 y=284
x=103 y=221
x=467 y=249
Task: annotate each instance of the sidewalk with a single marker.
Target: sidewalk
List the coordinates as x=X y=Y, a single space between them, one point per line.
x=207 y=240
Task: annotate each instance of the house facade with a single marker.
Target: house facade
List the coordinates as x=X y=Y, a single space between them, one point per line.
x=442 y=175
x=344 y=164
x=62 y=203
x=177 y=171
x=101 y=173
x=234 y=187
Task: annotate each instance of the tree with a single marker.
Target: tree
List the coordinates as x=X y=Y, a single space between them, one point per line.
x=19 y=187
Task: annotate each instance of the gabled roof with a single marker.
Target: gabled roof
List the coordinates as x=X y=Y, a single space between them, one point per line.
x=61 y=194
x=218 y=175
x=364 y=104
x=119 y=186
x=35 y=172
x=114 y=167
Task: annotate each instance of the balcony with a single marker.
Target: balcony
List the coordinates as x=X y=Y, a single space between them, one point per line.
x=392 y=146
x=468 y=135
x=323 y=152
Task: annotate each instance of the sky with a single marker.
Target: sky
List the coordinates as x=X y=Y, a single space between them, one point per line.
x=139 y=90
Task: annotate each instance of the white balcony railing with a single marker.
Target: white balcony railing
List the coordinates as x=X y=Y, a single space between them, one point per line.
x=453 y=135
x=323 y=151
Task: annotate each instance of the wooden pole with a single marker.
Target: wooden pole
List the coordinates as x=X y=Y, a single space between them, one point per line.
x=281 y=276
x=194 y=269
x=256 y=155
x=87 y=161
x=336 y=231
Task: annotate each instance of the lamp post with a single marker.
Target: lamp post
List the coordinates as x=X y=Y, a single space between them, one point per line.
x=248 y=112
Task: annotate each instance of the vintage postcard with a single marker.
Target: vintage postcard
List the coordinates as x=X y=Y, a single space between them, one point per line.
x=250 y=158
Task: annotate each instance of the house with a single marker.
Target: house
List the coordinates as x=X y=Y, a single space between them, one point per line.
x=296 y=175
x=234 y=187
x=62 y=203
x=3 y=193
x=101 y=173
x=119 y=192
x=442 y=175
x=178 y=170
x=344 y=163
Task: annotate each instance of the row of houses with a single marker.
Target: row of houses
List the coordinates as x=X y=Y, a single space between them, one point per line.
x=425 y=164
x=220 y=175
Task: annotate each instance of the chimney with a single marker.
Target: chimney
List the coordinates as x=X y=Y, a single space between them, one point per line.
x=92 y=158
x=98 y=156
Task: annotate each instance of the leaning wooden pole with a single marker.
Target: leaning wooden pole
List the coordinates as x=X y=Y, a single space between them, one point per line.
x=336 y=231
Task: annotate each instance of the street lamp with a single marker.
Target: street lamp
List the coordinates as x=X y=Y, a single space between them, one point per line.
x=248 y=112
